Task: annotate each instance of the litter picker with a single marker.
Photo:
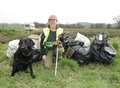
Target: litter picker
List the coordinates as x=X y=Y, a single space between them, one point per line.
x=56 y=64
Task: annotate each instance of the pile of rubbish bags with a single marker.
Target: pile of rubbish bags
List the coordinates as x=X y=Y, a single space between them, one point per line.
x=83 y=51
x=80 y=48
x=101 y=49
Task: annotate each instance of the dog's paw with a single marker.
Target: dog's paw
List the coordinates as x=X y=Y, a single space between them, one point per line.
x=26 y=71
x=33 y=76
x=12 y=75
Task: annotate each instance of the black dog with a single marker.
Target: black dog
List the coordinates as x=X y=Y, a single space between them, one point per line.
x=23 y=57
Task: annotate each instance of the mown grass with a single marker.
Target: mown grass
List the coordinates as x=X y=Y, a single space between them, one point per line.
x=69 y=74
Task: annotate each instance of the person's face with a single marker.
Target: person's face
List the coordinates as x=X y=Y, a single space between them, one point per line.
x=53 y=23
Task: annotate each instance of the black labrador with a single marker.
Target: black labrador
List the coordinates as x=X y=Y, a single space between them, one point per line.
x=23 y=57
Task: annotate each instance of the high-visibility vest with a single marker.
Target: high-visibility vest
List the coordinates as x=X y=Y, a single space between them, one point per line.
x=46 y=32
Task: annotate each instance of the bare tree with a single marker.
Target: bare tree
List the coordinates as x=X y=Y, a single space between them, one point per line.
x=117 y=19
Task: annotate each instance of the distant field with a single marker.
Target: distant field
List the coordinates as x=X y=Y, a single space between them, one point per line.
x=91 y=32
x=88 y=32
x=7 y=35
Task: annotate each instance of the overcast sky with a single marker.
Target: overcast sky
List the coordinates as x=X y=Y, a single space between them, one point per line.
x=67 y=11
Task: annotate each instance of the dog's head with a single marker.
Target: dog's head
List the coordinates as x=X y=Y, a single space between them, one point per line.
x=25 y=46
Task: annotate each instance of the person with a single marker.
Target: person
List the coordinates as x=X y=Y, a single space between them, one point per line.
x=50 y=40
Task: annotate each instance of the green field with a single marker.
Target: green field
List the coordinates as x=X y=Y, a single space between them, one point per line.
x=7 y=35
x=69 y=75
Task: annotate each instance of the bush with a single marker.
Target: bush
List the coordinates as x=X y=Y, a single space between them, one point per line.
x=69 y=63
x=115 y=45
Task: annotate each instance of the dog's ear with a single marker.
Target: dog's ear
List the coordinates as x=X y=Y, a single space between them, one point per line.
x=31 y=43
x=20 y=42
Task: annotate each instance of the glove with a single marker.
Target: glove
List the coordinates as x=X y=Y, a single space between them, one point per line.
x=56 y=43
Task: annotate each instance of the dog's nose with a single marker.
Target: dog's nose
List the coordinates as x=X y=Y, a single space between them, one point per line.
x=22 y=47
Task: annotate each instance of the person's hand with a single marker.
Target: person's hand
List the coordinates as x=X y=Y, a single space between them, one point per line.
x=56 y=43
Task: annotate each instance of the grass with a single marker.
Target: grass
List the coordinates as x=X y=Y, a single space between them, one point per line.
x=65 y=63
x=69 y=74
